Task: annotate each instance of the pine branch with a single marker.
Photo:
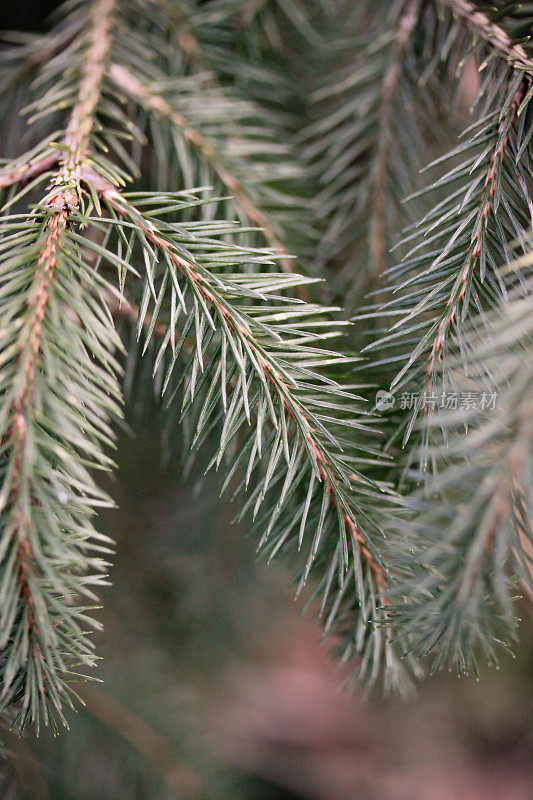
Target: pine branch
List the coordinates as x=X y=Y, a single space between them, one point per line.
x=81 y=120
x=42 y=569
x=269 y=371
x=486 y=203
x=452 y=271
x=209 y=130
x=250 y=370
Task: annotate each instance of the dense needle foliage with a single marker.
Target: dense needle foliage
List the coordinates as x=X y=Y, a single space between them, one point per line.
x=190 y=173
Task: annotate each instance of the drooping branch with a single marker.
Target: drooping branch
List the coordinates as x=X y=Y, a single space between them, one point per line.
x=65 y=199
x=62 y=201
x=473 y=533
x=273 y=374
x=23 y=401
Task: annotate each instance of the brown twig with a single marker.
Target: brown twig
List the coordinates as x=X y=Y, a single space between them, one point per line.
x=123 y=308
x=81 y=120
x=493 y=34
x=28 y=170
x=147 y=741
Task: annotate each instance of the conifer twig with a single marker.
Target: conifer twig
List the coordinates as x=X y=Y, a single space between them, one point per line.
x=62 y=201
x=81 y=120
x=23 y=401
x=28 y=170
x=486 y=197
x=495 y=36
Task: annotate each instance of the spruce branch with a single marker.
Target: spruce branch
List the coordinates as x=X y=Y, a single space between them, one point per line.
x=269 y=372
x=42 y=568
x=249 y=370
x=453 y=270
x=470 y=531
x=368 y=137
x=485 y=204
x=81 y=122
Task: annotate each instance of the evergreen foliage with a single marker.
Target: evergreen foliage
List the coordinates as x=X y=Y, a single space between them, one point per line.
x=407 y=552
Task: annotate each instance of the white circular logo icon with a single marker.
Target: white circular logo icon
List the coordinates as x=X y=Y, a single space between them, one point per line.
x=384 y=400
